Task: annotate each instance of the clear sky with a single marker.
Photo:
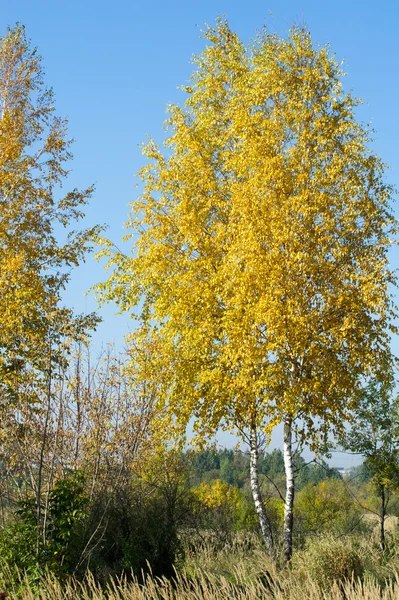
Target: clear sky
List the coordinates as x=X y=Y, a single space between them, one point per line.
x=114 y=67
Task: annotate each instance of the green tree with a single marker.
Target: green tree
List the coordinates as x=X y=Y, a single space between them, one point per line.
x=227 y=470
x=261 y=265
x=375 y=435
x=273 y=464
x=313 y=473
x=326 y=508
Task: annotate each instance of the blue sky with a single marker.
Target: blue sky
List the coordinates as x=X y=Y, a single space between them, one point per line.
x=115 y=66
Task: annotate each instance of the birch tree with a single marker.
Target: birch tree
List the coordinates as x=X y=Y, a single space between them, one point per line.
x=38 y=246
x=259 y=262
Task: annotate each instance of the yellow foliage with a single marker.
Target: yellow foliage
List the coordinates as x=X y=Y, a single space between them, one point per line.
x=260 y=271
x=217 y=494
x=33 y=264
x=275 y=507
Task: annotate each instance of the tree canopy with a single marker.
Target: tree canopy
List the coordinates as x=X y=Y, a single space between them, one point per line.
x=34 y=261
x=261 y=236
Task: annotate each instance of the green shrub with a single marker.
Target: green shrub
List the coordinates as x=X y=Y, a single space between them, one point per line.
x=29 y=546
x=325 y=508
x=135 y=533
x=327 y=561
x=119 y=532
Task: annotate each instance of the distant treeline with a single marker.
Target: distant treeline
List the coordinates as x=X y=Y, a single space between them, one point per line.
x=232 y=467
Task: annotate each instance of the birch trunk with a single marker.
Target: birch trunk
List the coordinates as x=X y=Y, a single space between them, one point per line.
x=289 y=492
x=257 y=496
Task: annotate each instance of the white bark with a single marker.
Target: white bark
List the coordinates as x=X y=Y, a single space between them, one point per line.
x=290 y=490
x=256 y=494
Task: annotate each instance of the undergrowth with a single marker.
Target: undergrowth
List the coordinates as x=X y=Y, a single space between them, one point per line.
x=326 y=569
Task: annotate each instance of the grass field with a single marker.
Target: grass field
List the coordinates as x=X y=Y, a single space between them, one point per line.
x=343 y=569
x=202 y=588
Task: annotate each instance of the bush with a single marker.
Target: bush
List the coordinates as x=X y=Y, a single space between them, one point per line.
x=130 y=528
x=329 y=561
x=136 y=531
x=216 y=509
x=325 y=508
x=26 y=550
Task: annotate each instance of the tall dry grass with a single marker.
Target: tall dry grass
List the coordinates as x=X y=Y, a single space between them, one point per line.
x=242 y=571
x=202 y=588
